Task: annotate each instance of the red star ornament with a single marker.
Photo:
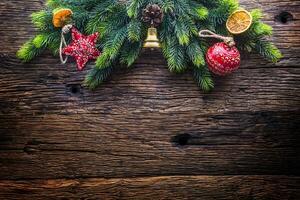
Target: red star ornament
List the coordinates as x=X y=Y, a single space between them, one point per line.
x=82 y=48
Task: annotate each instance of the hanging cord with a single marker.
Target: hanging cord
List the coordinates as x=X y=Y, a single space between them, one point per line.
x=65 y=30
x=209 y=34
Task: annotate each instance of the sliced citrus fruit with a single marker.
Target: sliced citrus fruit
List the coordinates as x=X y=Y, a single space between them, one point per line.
x=239 y=21
x=61 y=16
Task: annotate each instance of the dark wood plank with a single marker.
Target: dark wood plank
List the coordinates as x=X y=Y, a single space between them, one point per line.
x=147 y=122
x=255 y=121
x=257 y=143
x=173 y=187
x=215 y=160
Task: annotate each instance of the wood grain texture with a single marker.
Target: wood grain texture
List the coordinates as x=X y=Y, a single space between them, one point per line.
x=146 y=132
x=170 y=187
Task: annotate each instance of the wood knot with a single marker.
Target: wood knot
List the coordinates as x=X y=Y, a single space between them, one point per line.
x=74 y=89
x=181 y=139
x=284 y=17
x=31 y=147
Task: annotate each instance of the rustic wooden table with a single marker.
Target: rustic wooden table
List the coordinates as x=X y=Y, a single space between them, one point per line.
x=146 y=133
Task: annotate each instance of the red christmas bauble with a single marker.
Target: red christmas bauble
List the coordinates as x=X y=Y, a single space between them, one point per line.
x=223 y=59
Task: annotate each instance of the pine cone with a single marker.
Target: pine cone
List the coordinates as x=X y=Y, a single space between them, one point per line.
x=153 y=15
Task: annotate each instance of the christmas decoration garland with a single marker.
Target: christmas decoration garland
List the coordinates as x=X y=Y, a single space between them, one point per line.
x=185 y=30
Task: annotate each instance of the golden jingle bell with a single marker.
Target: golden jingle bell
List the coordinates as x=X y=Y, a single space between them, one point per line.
x=152 y=40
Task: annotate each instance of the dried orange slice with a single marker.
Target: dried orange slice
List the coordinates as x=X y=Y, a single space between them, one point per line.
x=61 y=16
x=239 y=21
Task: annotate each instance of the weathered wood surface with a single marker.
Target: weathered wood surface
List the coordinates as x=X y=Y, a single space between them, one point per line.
x=147 y=133
x=165 y=187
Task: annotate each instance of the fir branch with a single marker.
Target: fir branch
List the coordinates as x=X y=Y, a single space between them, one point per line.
x=52 y=4
x=182 y=32
x=114 y=44
x=53 y=42
x=122 y=33
x=200 y=13
x=166 y=28
x=255 y=38
x=42 y=20
x=195 y=54
x=50 y=40
x=259 y=29
x=134 y=29
x=28 y=51
x=268 y=50
x=104 y=12
x=256 y=15
x=219 y=15
x=39 y=41
x=203 y=79
x=103 y=61
x=168 y=6
x=130 y=53
x=182 y=8
x=114 y=23
x=175 y=55
x=95 y=25
x=97 y=76
x=133 y=8
x=185 y=28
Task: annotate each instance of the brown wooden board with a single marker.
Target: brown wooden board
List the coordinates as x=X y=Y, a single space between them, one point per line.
x=161 y=187
x=147 y=133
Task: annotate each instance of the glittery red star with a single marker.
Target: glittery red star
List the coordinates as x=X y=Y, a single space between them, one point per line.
x=82 y=48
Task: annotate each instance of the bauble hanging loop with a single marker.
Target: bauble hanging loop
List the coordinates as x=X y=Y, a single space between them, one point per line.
x=209 y=34
x=65 y=30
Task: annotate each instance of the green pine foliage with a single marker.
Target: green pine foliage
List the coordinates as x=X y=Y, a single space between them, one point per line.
x=268 y=50
x=122 y=33
x=42 y=20
x=28 y=51
x=134 y=29
x=198 y=59
x=97 y=76
x=130 y=53
x=255 y=39
x=203 y=79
